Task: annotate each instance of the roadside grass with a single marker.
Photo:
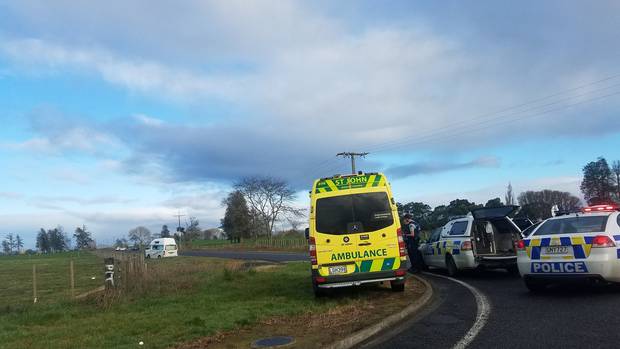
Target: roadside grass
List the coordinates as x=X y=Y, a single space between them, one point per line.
x=53 y=278
x=190 y=297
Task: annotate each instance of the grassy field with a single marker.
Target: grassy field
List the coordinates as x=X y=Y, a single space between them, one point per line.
x=186 y=298
x=53 y=280
x=277 y=243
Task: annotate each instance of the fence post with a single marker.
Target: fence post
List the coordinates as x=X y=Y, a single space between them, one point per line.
x=34 y=282
x=72 y=279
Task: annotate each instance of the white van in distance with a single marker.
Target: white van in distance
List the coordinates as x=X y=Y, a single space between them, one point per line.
x=163 y=247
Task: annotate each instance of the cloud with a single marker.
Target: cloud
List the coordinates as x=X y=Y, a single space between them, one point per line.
x=424 y=168
x=10 y=195
x=305 y=85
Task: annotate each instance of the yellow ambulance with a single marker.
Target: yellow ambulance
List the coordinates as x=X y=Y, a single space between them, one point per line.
x=354 y=235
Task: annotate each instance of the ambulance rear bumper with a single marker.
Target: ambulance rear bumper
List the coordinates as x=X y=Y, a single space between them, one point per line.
x=358 y=279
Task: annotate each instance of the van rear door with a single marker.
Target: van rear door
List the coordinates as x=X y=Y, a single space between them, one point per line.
x=356 y=233
x=494 y=212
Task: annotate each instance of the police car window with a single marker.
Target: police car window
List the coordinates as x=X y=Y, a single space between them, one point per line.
x=371 y=210
x=435 y=235
x=573 y=225
x=458 y=228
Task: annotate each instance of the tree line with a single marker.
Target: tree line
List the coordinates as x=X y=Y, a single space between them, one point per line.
x=56 y=240
x=12 y=244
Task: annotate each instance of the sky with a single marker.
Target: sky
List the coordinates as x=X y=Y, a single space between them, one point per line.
x=119 y=114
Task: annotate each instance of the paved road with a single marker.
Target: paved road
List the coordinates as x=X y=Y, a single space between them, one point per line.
x=566 y=317
x=251 y=255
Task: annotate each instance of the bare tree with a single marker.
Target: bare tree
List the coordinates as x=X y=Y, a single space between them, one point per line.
x=269 y=198
x=140 y=236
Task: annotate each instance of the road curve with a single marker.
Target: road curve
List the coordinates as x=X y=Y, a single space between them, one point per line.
x=563 y=317
x=249 y=255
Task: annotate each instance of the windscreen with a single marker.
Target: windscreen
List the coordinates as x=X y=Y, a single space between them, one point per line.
x=370 y=210
x=573 y=225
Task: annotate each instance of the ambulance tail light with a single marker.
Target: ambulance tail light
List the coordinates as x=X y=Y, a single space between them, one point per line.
x=520 y=245
x=602 y=241
x=466 y=246
x=401 y=243
x=312 y=249
x=320 y=279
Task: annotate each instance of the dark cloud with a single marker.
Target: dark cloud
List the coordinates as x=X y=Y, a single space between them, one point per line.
x=422 y=168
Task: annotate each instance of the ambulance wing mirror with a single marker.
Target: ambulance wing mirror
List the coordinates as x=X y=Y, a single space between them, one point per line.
x=307 y=233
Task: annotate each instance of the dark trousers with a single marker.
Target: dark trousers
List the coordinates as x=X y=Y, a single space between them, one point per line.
x=415 y=258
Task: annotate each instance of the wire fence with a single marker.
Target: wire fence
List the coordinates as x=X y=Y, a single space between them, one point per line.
x=48 y=278
x=259 y=243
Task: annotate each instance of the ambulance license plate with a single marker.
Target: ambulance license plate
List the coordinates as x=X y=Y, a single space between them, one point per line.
x=339 y=269
x=556 y=250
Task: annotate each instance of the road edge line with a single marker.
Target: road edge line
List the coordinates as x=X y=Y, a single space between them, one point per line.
x=363 y=334
x=482 y=314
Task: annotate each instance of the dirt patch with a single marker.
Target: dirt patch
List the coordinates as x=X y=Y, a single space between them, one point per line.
x=312 y=330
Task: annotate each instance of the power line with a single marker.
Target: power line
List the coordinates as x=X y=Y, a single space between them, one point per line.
x=352 y=155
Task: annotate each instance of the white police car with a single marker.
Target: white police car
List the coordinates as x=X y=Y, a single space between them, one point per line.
x=578 y=246
x=485 y=238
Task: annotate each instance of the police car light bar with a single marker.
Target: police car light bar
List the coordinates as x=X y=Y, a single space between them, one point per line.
x=601 y=208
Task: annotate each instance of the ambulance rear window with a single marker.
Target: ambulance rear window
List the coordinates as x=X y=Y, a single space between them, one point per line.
x=573 y=225
x=370 y=210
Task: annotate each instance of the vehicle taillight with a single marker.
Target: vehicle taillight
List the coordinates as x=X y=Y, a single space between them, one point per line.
x=602 y=241
x=320 y=279
x=312 y=249
x=520 y=245
x=466 y=246
x=400 y=272
x=600 y=208
x=401 y=243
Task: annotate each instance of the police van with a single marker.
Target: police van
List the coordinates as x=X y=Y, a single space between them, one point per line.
x=354 y=235
x=485 y=238
x=577 y=246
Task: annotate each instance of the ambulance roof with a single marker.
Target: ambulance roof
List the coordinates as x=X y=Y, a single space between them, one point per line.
x=345 y=182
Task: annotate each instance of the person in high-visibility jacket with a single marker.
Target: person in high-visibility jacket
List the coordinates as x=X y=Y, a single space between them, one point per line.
x=411 y=234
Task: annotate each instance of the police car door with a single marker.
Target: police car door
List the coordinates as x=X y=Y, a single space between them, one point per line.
x=428 y=249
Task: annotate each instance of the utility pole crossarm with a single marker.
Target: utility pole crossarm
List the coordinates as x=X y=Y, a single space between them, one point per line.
x=352 y=155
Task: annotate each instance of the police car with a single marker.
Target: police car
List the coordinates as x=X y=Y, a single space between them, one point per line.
x=578 y=246
x=485 y=238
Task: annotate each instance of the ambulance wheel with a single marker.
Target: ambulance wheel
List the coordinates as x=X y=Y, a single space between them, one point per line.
x=535 y=286
x=318 y=291
x=397 y=285
x=159 y=257
x=451 y=266
x=148 y=256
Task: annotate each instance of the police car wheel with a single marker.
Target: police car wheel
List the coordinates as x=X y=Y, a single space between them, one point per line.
x=451 y=266
x=397 y=286
x=535 y=286
x=513 y=270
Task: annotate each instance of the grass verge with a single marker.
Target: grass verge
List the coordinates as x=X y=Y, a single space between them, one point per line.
x=185 y=298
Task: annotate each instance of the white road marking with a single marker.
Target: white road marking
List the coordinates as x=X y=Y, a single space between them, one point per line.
x=482 y=314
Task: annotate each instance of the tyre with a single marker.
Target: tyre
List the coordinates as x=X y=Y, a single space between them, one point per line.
x=159 y=257
x=397 y=285
x=318 y=291
x=535 y=286
x=513 y=270
x=148 y=256
x=451 y=266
